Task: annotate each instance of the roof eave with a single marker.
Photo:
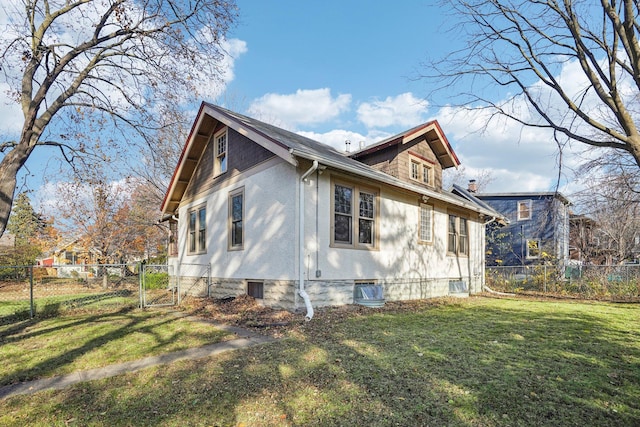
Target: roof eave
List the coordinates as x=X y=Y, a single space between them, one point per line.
x=388 y=179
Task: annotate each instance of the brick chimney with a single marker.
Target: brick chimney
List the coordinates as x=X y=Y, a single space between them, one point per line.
x=473 y=187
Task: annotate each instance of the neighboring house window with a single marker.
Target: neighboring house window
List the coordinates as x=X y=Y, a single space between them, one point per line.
x=524 y=210
x=220 y=166
x=458 y=236
x=533 y=249
x=426 y=223
x=421 y=169
x=347 y=231
x=236 y=219
x=255 y=289
x=197 y=230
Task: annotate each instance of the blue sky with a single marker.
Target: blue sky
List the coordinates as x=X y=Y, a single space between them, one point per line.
x=337 y=70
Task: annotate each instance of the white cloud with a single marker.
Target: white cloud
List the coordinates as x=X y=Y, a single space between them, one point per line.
x=11 y=118
x=305 y=107
x=402 y=110
x=337 y=138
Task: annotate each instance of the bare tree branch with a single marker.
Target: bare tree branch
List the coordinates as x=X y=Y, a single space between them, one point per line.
x=518 y=49
x=77 y=67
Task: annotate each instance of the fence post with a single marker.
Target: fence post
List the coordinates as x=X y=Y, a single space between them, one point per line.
x=31 y=304
x=140 y=283
x=544 y=281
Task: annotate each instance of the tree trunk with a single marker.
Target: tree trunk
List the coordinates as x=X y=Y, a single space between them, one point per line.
x=9 y=167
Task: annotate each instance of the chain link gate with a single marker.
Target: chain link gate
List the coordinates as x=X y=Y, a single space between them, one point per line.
x=158 y=286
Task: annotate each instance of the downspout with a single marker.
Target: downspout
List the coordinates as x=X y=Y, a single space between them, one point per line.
x=483 y=252
x=301 y=291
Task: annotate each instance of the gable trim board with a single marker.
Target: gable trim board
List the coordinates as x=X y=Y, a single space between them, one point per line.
x=291 y=256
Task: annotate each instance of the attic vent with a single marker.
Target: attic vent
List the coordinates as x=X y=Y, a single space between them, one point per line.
x=347 y=145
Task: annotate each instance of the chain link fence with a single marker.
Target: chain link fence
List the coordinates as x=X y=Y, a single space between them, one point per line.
x=30 y=291
x=602 y=282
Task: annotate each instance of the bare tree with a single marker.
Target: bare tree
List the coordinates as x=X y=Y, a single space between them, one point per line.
x=572 y=66
x=80 y=67
x=611 y=201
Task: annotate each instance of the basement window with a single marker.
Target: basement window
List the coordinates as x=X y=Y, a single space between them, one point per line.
x=255 y=289
x=368 y=294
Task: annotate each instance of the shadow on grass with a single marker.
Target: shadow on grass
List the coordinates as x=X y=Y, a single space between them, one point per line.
x=459 y=365
x=48 y=366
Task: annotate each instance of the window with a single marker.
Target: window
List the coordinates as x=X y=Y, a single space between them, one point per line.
x=533 y=249
x=463 y=236
x=452 y=245
x=173 y=238
x=365 y=225
x=426 y=174
x=415 y=170
x=458 y=241
x=255 y=289
x=524 y=210
x=347 y=228
x=236 y=219
x=421 y=169
x=342 y=214
x=368 y=293
x=220 y=166
x=197 y=230
x=425 y=231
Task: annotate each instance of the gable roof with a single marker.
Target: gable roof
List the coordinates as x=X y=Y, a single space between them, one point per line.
x=527 y=195
x=463 y=192
x=290 y=146
x=432 y=133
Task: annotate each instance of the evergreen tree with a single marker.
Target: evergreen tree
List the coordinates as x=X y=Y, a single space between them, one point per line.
x=27 y=226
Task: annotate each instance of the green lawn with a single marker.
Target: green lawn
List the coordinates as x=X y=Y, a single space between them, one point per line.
x=34 y=349
x=472 y=362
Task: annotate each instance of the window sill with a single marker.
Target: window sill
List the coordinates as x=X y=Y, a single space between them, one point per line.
x=356 y=247
x=196 y=253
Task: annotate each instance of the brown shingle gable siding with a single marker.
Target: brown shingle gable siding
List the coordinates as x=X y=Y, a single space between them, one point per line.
x=395 y=160
x=242 y=155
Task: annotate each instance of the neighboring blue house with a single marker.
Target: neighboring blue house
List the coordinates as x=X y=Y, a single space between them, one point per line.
x=537 y=229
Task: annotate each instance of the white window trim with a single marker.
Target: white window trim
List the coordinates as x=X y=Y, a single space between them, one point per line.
x=530 y=209
x=529 y=256
x=216 y=164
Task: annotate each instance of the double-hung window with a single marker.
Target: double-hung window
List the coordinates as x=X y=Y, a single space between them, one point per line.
x=458 y=236
x=197 y=230
x=236 y=219
x=524 y=209
x=220 y=141
x=533 y=249
x=420 y=169
x=354 y=221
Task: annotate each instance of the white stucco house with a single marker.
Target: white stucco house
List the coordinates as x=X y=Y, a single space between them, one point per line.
x=298 y=224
